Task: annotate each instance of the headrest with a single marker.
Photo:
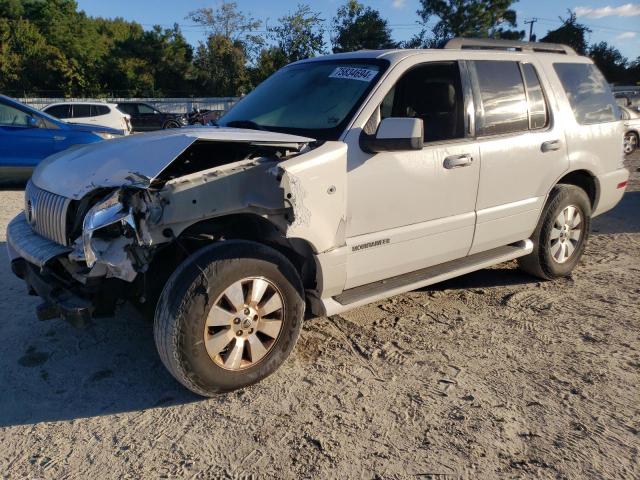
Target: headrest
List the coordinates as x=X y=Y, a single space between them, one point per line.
x=436 y=97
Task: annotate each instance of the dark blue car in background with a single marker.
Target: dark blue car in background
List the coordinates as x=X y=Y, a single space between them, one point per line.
x=28 y=136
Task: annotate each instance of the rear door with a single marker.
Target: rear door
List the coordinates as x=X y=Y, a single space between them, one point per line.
x=81 y=113
x=523 y=149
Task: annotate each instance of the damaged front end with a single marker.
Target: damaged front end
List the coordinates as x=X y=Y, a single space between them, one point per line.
x=115 y=236
x=84 y=248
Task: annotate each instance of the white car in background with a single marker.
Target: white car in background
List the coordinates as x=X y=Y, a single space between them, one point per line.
x=92 y=113
x=631 y=120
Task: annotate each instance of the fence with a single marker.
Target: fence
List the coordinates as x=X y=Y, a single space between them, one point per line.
x=174 y=105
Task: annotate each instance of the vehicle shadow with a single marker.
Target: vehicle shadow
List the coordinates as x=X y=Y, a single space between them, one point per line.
x=624 y=218
x=50 y=371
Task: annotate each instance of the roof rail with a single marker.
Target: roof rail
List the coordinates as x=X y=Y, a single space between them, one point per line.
x=492 y=44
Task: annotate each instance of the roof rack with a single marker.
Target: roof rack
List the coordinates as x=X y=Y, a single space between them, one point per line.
x=491 y=44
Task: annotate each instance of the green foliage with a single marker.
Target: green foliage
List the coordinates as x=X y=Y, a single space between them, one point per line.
x=299 y=35
x=49 y=47
x=356 y=28
x=610 y=61
x=467 y=18
x=221 y=67
x=570 y=33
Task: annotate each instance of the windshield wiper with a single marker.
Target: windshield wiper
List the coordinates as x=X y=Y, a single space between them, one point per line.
x=250 y=124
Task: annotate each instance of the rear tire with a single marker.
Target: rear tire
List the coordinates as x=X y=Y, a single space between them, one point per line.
x=561 y=235
x=171 y=125
x=630 y=142
x=211 y=333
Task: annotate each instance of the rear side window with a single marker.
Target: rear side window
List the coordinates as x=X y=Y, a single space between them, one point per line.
x=503 y=101
x=58 y=111
x=128 y=108
x=97 y=110
x=81 y=111
x=589 y=95
x=538 y=113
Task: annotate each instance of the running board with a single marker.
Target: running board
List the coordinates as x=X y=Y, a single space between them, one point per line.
x=357 y=296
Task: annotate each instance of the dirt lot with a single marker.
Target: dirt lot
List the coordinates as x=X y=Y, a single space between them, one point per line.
x=492 y=375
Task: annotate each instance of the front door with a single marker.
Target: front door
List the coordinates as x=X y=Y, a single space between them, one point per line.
x=411 y=210
x=22 y=142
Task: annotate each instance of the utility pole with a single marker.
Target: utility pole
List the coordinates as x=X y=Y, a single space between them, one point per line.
x=530 y=23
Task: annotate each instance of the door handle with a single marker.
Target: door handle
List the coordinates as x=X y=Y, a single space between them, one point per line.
x=457 y=161
x=57 y=138
x=550 y=146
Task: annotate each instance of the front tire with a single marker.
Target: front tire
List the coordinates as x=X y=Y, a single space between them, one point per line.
x=560 y=238
x=229 y=316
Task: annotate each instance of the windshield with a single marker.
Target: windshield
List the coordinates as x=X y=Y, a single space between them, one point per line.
x=315 y=99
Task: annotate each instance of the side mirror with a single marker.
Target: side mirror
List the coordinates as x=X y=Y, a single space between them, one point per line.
x=33 y=122
x=395 y=134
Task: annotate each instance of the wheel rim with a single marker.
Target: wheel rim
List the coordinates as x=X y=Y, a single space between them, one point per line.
x=566 y=234
x=630 y=143
x=244 y=323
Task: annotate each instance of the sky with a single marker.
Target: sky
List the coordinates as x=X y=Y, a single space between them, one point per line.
x=613 y=21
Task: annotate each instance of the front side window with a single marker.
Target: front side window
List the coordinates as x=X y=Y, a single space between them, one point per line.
x=589 y=95
x=312 y=98
x=13 y=117
x=432 y=93
x=503 y=103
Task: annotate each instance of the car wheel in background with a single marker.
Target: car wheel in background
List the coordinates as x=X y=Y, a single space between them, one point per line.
x=630 y=142
x=171 y=124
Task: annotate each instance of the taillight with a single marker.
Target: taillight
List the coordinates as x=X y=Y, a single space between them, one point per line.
x=622 y=184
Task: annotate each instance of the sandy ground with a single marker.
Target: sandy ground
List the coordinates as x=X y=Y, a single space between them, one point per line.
x=493 y=375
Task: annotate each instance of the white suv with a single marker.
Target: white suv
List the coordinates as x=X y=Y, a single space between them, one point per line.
x=92 y=113
x=339 y=181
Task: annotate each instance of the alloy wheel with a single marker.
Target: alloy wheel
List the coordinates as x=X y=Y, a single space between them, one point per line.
x=244 y=323
x=565 y=234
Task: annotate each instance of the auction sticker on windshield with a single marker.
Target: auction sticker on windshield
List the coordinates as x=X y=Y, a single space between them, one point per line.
x=354 y=73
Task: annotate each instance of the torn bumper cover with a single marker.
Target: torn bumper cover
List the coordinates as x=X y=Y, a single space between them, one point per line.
x=29 y=254
x=58 y=301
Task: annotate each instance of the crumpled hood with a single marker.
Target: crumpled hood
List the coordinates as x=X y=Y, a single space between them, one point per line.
x=136 y=159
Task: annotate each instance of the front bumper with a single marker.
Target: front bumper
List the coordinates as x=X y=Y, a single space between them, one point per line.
x=58 y=300
x=32 y=259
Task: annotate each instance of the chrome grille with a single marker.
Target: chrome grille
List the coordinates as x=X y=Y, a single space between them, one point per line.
x=46 y=212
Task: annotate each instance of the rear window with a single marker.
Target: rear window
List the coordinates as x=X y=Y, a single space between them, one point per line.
x=97 y=110
x=502 y=97
x=128 y=108
x=81 y=111
x=58 y=111
x=588 y=92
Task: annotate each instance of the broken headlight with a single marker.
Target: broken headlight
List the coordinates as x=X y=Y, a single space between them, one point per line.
x=108 y=212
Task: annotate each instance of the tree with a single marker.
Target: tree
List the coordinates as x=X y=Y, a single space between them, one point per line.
x=356 y=27
x=269 y=61
x=610 y=61
x=220 y=65
x=229 y=22
x=467 y=18
x=570 y=33
x=299 y=35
